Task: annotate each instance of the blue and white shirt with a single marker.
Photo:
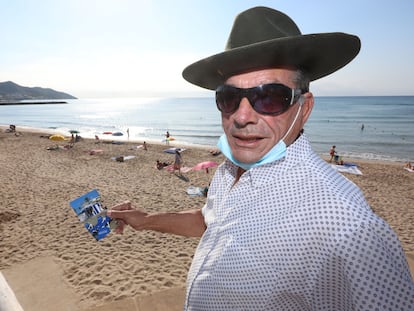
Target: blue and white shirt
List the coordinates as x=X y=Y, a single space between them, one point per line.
x=295 y=235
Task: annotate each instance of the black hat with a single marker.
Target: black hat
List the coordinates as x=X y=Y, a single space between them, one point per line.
x=264 y=38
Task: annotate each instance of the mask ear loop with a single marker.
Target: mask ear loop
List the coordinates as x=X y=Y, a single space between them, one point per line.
x=300 y=101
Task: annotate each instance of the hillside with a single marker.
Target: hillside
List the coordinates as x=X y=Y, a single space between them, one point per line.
x=10 y=91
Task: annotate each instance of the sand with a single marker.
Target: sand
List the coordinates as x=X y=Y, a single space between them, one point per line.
x=42 y=239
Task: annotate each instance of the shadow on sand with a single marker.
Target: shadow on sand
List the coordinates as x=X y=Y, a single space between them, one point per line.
x=182 y=177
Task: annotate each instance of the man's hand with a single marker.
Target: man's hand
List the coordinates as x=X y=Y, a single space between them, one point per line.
x=125 y=214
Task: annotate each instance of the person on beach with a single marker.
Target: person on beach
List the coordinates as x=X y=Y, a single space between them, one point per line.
x=281 y=229
x=332 y=153
x=161 y=165
x=167 y=137
x=177 y=162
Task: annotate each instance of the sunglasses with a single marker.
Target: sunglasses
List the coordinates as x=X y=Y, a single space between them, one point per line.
x=270 y=99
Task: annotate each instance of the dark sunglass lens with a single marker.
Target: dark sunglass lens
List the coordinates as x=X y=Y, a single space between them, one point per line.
x=273 y=99
x=227 y=99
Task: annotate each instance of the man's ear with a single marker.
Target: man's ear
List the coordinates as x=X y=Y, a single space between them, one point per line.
x=307 y=105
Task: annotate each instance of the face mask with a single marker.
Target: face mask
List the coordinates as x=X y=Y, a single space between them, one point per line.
x=276 y=153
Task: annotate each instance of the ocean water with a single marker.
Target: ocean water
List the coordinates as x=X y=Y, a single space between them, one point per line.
x=387 y=134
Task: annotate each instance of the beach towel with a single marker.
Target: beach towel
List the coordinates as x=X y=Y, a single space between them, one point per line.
x=136 y=147
x=184 y=169
x=351 y=169
x=194 y=191
x=94 y=151
x=122 y=158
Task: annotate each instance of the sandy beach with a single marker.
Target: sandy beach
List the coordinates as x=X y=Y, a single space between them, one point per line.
x=39 y=230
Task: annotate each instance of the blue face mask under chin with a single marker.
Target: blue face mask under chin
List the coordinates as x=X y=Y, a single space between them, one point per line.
x=276 y=153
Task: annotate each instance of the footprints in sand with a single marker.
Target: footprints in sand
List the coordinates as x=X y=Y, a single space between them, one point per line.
x=143 y=263
x=36 y=219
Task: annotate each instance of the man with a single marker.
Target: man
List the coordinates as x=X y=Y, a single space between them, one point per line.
x=281 y=230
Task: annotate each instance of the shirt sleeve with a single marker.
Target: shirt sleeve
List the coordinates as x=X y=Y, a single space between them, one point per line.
x=368 y=271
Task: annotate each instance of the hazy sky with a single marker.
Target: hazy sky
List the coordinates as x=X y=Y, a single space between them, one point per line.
x=101 y=48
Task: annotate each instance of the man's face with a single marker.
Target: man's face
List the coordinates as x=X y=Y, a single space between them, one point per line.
x=250 y=134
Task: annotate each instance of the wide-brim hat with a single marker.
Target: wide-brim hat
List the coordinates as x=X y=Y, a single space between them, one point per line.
x=265 y=38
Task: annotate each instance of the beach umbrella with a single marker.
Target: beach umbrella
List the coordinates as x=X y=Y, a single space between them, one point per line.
x=172 y=150
x=204 y=166
x=57 y=138
x=74 y=132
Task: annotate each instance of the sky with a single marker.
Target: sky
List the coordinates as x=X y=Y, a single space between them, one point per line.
x=129 y=48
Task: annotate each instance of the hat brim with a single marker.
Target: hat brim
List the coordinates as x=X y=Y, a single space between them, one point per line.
x=316 y=54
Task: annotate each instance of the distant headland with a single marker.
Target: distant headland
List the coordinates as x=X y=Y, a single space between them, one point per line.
x=14 y=94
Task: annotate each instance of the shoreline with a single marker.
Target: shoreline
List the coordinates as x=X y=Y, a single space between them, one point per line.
x=104 y=138
x=386 y=136
x=107 y=138
x=38 y=226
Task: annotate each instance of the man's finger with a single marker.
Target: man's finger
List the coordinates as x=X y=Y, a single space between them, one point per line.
x=122 y=206
x=117 y=214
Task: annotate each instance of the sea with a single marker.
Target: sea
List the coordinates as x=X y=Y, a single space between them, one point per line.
x=366 y=127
